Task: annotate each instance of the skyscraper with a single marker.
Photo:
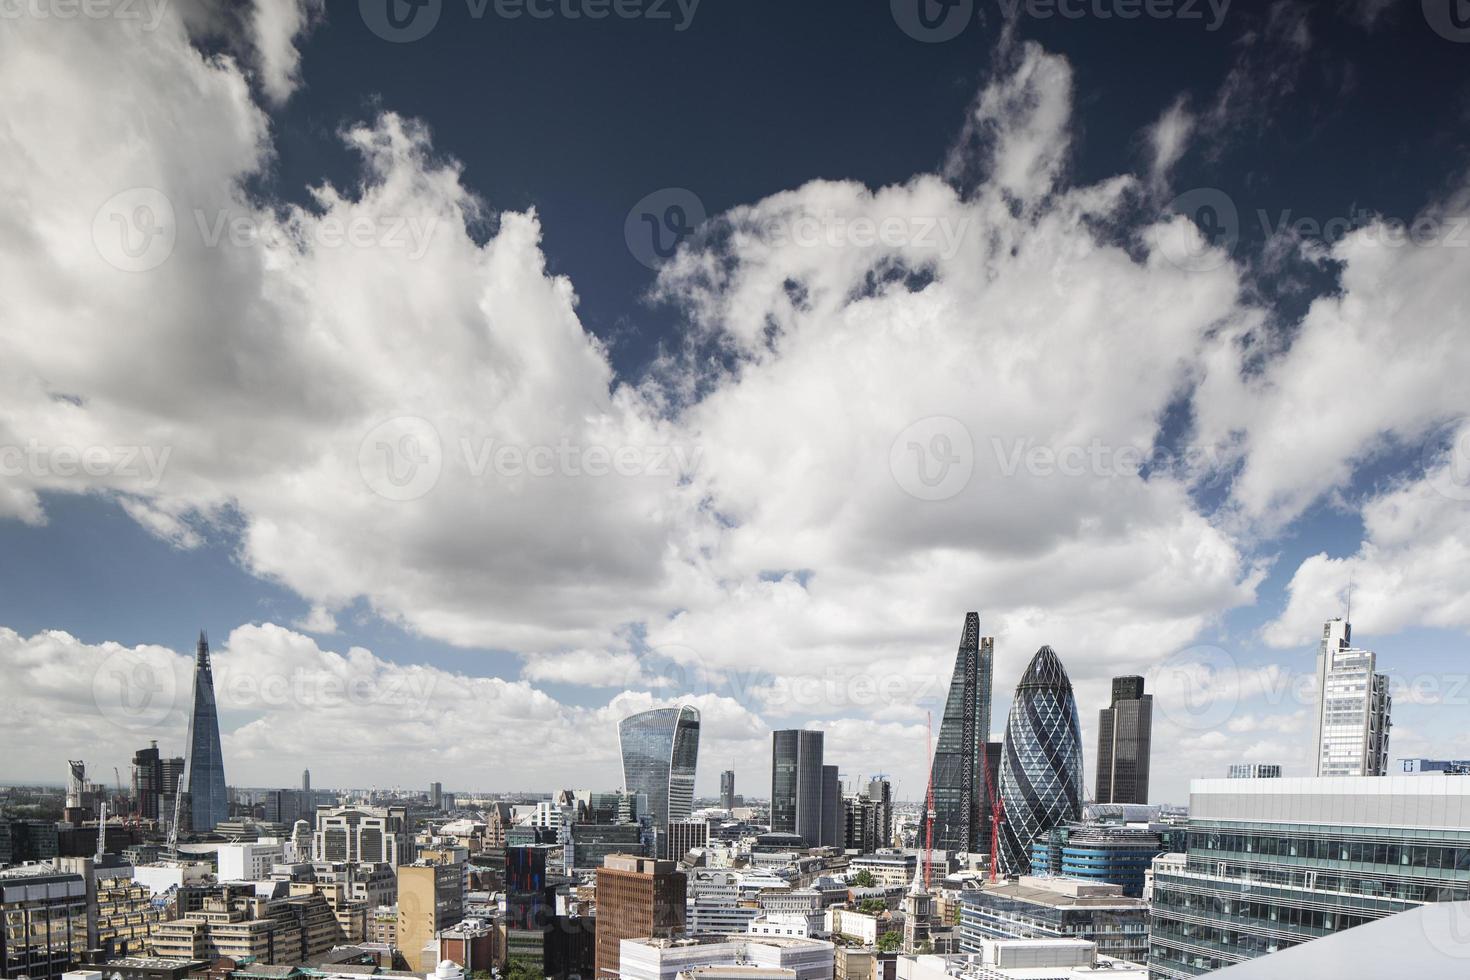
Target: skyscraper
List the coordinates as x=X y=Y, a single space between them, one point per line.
x=306 y=781
x=1353 y=706
x=961 y=809
x=1041 y=764
x=833 y=811
x=727 y=789
x=204 y=764
x=1124 y=733
x=660 y=749
x=797 y=784
x=636 y=898
x=147 y=781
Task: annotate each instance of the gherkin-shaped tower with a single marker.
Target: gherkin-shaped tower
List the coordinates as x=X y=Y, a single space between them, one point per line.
x=1041 y=763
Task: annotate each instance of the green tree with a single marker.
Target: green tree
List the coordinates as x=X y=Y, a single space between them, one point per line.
x=890 y=942
x=863 y=879
x=873 y=906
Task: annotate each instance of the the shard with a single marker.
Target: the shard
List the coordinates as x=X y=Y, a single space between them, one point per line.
x=961 y=806
x=204 y=765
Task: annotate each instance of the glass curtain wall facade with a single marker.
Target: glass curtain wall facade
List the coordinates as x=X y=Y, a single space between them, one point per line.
x=1041 y=760
x=1272 y=863
x=204 y=766
x=961 y=804
x=660 y=749
x=798 y=785
x=1353 y=707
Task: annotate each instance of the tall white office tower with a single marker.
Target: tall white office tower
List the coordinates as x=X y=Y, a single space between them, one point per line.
x=1353 y=706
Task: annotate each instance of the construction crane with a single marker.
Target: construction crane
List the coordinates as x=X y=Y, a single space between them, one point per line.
x=102 y=833
x=997 y=812
x=929 y=813
x=117 y=778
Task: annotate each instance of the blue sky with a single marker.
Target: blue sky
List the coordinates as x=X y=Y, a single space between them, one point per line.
x=523 y=144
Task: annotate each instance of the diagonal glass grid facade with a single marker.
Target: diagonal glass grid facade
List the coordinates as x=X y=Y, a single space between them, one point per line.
x=1041 y=762
x=209 y=803
x=961 y=807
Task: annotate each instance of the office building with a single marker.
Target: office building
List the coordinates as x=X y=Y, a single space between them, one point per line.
x=250 y=860
x=1272 y=863
x=530 y=905
x=1056 y=908
x=22 y=841
x=880 y=793
x=306 y=781
x=727 y=789
x=363 y=835
x=1124 y=734
x=147 y=782
x=800 y=786
x=660 y=749
x=668 y=959
x=833 y=812
x=1112 y=853
x=430 y=898
x=1454 y=767
x=1353 y=707
x=204 y=763
x=278 y=926
x=43 y=922
x=1041 y=762
x=961 y=807
x=686 y=835
x=1255 y=770
x=591 y=843
x=636 y=898
x=1022 y=959
x=436 y=797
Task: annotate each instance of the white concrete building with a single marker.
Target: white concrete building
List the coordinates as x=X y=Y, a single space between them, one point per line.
x=800 y=924
x=1353 y=707
x=1022 y=959
x=665 y=959
x=250 y=860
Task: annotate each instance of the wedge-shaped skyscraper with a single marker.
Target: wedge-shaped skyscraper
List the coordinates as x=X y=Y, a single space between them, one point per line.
x=204 y=766
x=961 y=806
x=660 y=749
x=1041 y=762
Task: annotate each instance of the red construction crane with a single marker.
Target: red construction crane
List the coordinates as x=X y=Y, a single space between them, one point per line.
x=929 y=813
x=997 y=812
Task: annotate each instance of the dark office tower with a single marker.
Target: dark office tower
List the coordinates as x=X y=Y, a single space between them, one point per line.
x=833 y=811
x=204 y=764
x=660 y=749
x=797 y=784
x=147 y=781
x=880 y=791
x=1124 y=729
x=436 y=797
x=1041 y=764
x=727 y=789
x=306 y=781
x=961 y=809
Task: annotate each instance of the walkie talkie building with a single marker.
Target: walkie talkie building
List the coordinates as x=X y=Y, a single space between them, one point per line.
x=1041 y=763
x=961 y=806
x=660 y=749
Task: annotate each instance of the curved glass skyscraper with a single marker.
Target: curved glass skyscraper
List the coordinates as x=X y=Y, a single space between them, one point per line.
x=660 y=749
x=1041 y=763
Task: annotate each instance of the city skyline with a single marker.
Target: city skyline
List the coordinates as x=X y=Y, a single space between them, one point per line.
x=471 y=476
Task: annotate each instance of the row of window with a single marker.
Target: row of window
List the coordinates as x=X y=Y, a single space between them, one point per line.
x=1426 y=857
x=1269 y=914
